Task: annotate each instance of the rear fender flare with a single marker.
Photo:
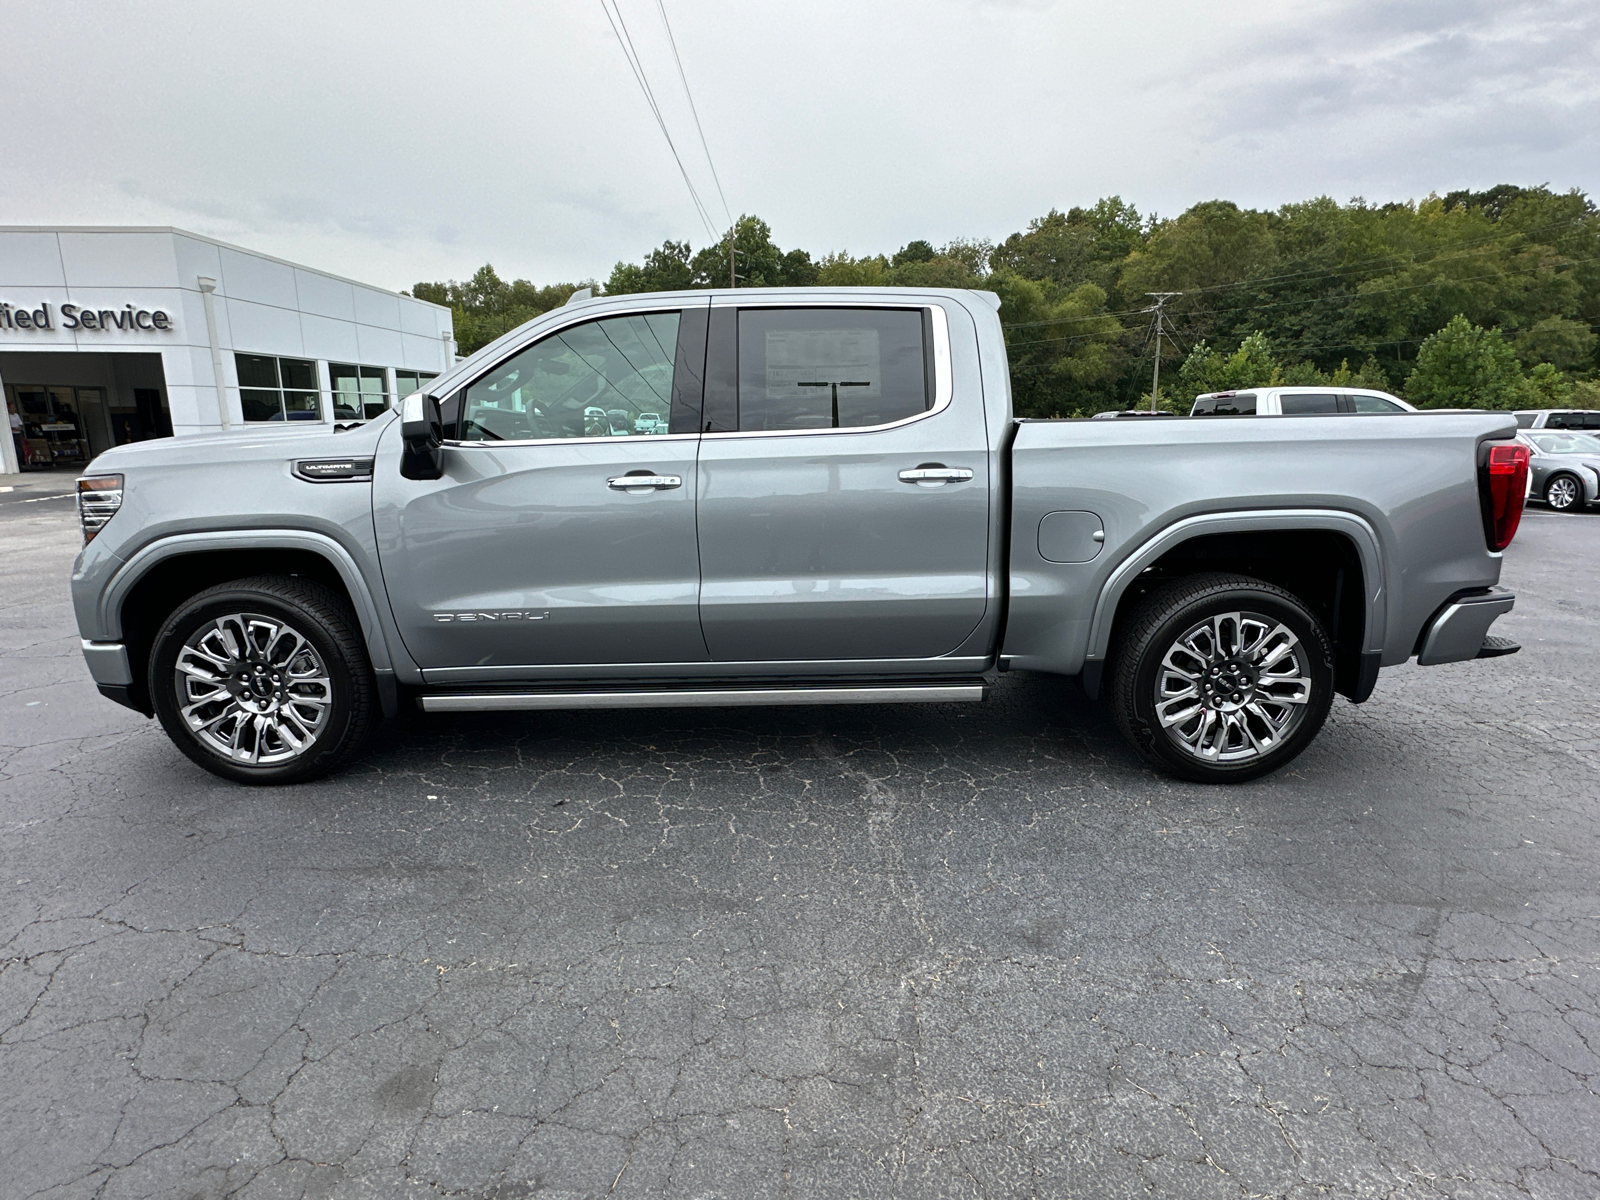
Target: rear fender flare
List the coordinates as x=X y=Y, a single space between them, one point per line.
x=1356 y=528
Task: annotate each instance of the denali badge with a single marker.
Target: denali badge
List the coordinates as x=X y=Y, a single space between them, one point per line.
x=498 y=614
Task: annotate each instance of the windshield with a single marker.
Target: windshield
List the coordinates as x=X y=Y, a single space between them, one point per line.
x=1565 y=443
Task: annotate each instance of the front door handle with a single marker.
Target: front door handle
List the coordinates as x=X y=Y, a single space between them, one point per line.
x=935 y=475
x=640 y=484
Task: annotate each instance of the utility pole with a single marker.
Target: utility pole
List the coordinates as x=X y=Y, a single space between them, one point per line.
x=1160 y=299
x=733 y=278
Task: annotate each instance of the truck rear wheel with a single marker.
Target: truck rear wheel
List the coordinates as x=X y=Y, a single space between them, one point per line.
x=1221 y=678
x=264 y=680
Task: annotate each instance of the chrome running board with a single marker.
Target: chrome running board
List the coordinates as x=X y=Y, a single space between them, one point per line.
x=703 y=698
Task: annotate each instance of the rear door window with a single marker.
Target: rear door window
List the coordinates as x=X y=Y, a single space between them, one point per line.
x=1313 y=402
x=832 y=368
x=1241 y=405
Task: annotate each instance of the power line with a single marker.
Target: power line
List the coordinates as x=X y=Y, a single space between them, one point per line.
x=684 y=79
x=620 y=28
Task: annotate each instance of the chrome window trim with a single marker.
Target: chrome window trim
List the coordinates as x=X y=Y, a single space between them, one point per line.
x=943 y=371
x=632 y=439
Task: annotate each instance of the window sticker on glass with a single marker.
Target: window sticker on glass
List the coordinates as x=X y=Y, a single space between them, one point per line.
x=829 y=357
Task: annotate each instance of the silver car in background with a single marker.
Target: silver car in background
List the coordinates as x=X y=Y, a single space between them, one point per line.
x=1564 y=470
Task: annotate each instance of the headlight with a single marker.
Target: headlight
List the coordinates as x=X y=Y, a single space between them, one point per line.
x=99 y=497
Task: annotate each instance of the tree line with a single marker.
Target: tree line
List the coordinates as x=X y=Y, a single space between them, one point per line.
x=1472 y=299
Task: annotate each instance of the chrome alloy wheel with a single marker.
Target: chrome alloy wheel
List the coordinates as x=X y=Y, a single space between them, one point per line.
x=1562 y=492
x=1233 y=687
x=253 y=689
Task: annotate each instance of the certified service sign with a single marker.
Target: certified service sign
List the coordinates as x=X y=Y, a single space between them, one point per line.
x=128 y=318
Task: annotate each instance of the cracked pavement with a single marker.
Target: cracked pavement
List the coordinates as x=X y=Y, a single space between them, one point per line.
x=916 y=951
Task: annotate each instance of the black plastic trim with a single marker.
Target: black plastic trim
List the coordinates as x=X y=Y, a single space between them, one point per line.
x=122 y=694
x=1366 y=677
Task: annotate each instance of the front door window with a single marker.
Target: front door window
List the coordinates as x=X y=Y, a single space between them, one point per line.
x=603 y=379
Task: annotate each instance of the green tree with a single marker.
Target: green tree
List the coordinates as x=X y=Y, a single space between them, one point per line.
x=841 y=270
x=1466 y=366
x=1560 y=342
x=1251 y=365
x=1065 y=349
x=1547 y=388
x=914 y=252
x=486 y=306
x=758 y=260
x=666 y=269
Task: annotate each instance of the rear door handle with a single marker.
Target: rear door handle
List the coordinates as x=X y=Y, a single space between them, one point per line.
x=644 y=483
x=935 y=476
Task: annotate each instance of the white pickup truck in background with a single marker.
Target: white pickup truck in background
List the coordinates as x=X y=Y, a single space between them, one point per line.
x=1295 y=401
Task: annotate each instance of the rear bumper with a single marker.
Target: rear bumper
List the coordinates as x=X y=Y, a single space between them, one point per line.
x=1457 y=630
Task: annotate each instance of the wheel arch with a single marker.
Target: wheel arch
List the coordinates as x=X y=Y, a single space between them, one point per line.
x=162 y=575
x=1329 y=559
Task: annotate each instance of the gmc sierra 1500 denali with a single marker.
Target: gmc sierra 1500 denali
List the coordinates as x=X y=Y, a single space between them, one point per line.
x=782 y=497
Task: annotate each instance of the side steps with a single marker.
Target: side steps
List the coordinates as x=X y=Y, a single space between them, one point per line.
x=1495 y=647
x=702 y=697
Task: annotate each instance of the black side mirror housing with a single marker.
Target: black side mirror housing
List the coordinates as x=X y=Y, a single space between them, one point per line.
x=422 y=431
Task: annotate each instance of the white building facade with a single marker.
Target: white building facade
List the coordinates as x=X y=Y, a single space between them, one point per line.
x=110 y=335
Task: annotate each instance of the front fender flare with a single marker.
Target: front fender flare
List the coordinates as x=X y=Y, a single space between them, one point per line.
x=139 y=564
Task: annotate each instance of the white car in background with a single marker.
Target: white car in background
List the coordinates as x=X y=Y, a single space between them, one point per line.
x=1291 y=401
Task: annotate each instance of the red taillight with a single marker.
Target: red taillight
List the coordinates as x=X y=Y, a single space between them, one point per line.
x=1505 y=488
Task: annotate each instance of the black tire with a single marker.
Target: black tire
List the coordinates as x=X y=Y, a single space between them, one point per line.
x=1566 y=498
x=343 y=701
x=1174 y=612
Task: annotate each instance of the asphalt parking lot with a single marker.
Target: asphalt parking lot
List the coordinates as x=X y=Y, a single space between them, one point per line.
x=963 y=951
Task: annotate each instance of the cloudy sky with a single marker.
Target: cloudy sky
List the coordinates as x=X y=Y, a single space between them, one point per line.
x=394 y=140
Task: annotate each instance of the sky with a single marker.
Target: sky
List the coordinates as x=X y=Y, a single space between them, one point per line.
x=393 y=141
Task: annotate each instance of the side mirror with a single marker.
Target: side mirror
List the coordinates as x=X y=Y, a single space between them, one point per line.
x=422 y=431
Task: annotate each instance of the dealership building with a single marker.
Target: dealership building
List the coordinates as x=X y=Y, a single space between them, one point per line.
x=112 y=335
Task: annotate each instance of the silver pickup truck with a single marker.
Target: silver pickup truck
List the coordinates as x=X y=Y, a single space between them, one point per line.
x=782 y=497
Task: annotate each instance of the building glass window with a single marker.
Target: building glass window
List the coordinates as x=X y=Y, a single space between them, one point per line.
x=406 y=382
x=608 y=378
x=277 y=389
x=830 y=368
x=359 y=393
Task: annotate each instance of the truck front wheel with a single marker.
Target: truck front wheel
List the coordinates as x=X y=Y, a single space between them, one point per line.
x=1221 y=678
x=264 y=680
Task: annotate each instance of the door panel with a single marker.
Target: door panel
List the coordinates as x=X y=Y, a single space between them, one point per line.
x=812 y=546
x=533 y=550
x=591 y=573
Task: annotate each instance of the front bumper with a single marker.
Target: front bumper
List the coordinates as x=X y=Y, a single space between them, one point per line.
x=110 y=670
x=1457 y=630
